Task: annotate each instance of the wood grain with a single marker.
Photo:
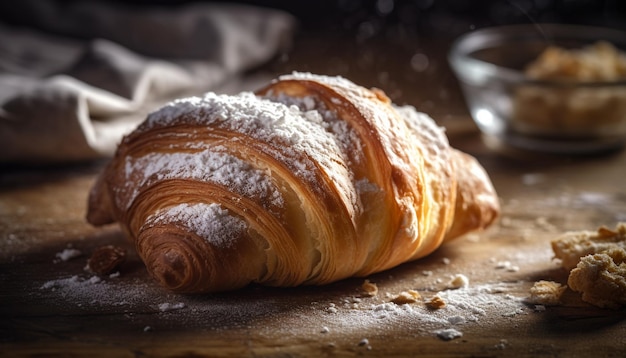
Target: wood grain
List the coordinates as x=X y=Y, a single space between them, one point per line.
x=41 y=214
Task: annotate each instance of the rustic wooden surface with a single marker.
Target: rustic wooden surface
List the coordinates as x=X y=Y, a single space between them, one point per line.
x=44 y=312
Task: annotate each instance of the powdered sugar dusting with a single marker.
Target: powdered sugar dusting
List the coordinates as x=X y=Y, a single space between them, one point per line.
x=167 y=306
x=85 y=291
x=210 y=221
x=483 y=304
x=422 y=125
x=213 y=165
x=448 y=334
x=293 y=137
x=68 y=254
x=333 y=316
x=344 y=135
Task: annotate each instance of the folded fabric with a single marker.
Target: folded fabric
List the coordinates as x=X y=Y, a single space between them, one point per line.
x=72 y=96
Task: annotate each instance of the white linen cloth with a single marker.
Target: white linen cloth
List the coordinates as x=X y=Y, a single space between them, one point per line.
x=73 y=95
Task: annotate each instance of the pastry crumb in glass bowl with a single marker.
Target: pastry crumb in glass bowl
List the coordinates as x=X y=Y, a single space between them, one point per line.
x=548 y=88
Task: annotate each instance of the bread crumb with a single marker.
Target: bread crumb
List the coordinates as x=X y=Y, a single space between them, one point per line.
x=458 y=281
x=601 y=278
x=571 y=246
x=409 y=296
x=68 y=254
x=546 y=293
x=506 y=265
x=503 y=264
x=502 y=344
x=365 y=343
x=436 y=302
x=369 y=288
x=597 y=264
x=448 y=334
x=106 y=259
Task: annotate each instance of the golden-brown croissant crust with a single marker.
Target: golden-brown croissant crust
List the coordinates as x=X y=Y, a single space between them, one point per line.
x=309 y=180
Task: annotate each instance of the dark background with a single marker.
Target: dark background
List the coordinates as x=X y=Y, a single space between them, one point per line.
x=399 y=46
x=370 y=18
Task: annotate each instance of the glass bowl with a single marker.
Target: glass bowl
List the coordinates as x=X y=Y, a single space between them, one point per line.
x=539 y=114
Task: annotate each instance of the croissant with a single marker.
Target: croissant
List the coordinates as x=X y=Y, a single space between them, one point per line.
x=310 y=180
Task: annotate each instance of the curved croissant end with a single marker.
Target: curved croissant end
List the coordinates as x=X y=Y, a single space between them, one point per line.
x=310 y=180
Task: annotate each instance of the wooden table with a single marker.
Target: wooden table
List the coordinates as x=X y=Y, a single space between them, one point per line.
x=52 y=307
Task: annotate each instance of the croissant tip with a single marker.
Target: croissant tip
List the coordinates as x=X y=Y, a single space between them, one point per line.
x=169 y=268
x=170 y=259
